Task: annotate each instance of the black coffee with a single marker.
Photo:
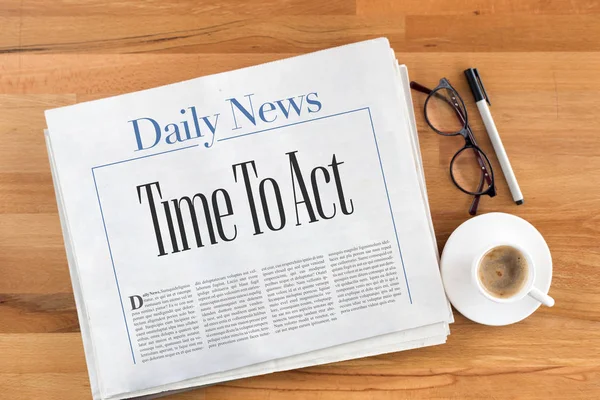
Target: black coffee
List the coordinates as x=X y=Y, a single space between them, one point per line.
x=503 y=271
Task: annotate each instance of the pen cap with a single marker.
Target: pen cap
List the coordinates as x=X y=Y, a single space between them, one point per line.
x=476 y=85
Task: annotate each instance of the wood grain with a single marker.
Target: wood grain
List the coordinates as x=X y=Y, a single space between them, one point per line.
x=541 y=64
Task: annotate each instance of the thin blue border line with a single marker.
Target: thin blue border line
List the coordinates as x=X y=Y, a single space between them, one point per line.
x=113 y=265
x=146 y=156
x=292 y=124
x=234 y=137
x=390 y=204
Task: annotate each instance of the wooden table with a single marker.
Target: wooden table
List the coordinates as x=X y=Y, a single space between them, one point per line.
x=541 y=64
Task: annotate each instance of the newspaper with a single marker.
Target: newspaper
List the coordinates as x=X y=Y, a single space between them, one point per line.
x=258 y=220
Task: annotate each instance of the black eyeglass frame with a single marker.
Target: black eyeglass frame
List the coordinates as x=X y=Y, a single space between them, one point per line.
x=465 y=132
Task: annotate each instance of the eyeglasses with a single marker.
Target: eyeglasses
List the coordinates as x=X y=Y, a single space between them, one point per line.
x=470 y=169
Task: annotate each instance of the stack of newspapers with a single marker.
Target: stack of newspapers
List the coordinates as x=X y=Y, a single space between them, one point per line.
x=253 y=221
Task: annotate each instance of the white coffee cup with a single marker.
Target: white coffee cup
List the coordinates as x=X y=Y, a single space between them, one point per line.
x=528 y=289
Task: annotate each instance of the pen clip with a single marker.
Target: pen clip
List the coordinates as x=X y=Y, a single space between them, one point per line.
x=480 y=83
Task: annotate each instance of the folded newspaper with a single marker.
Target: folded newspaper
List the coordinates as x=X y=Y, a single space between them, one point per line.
x=258 y=220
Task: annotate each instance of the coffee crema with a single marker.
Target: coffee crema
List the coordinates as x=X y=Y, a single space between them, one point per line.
x=503 y=271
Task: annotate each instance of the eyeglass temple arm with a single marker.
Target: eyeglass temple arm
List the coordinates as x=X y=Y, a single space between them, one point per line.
x=419 y=88
x=476 y=198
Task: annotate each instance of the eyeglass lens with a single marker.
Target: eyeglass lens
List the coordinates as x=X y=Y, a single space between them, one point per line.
x=468 y=172
x=442 y=110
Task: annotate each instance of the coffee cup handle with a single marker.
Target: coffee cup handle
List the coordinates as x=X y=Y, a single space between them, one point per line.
x=541 y=297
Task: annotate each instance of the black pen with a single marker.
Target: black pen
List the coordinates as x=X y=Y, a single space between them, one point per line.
x=481 y=98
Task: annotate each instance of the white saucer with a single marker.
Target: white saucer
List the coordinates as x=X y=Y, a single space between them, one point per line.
x=462 y=247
